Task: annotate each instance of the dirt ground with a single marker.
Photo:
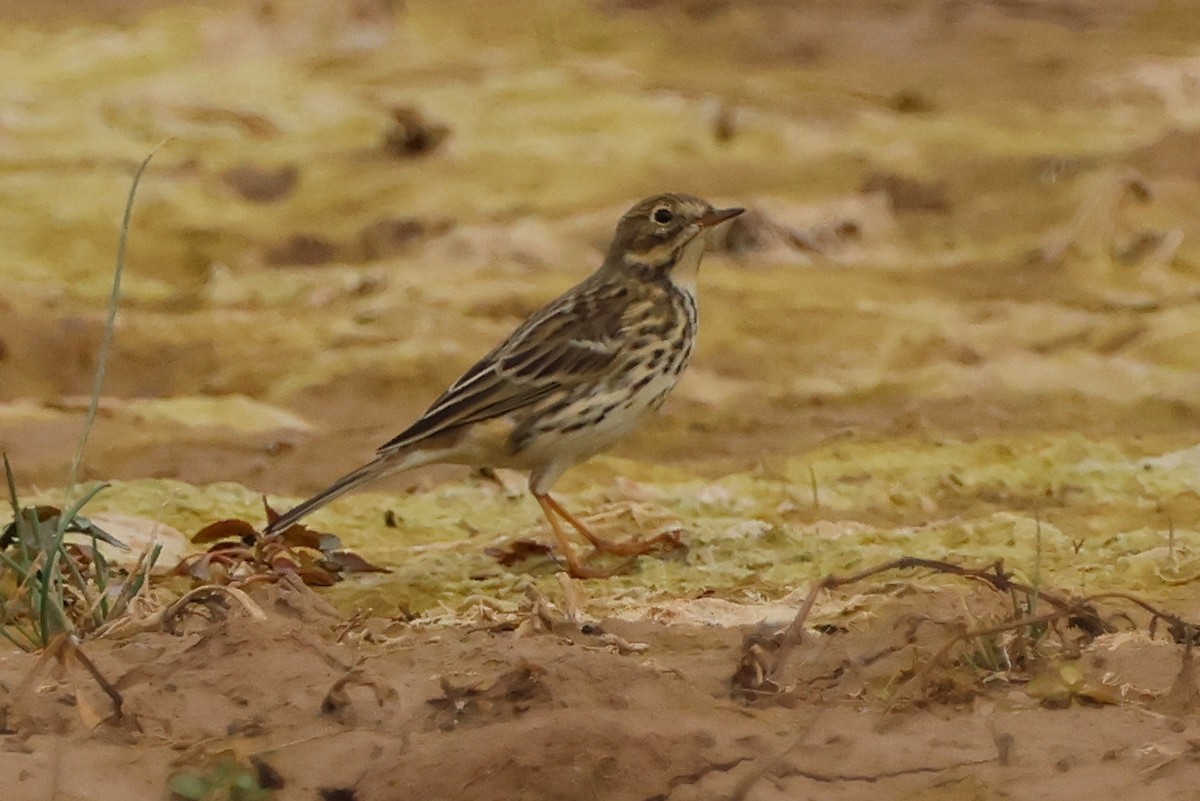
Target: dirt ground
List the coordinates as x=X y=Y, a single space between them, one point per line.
x=957 y=323
x=550 y=711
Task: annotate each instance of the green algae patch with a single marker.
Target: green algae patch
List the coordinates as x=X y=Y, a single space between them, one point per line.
x=1069 y=512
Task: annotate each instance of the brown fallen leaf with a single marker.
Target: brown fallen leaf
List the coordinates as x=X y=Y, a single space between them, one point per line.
x=239 y=553
x=300 y=536
x=225 y=530
x=518 y=551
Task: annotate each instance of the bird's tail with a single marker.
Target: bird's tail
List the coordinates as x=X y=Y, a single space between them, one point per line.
x=381 y=465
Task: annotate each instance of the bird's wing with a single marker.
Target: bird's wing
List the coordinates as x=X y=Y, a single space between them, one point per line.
x=568 y=343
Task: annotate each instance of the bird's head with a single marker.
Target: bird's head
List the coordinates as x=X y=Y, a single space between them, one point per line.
x=665 y=235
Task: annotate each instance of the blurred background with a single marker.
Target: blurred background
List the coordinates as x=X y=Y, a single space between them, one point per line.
x=970 y=220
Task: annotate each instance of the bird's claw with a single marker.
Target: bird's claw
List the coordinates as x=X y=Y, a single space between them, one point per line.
x=666 y=541
x=582 y=571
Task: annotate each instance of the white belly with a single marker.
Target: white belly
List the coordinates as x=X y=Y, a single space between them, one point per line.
x=594 y=424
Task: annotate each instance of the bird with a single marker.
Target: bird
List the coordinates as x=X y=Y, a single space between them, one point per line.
x=573 y=379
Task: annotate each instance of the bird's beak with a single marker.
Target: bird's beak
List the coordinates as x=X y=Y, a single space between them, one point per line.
x=718 y=216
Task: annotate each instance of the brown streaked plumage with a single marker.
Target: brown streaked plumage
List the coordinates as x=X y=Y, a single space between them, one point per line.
x=575 y=377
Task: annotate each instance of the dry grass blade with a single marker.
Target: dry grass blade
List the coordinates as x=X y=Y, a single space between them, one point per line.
x=66 y=648
x=212 y=597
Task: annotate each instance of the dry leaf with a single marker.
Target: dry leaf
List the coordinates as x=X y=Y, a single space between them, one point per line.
x=518 y=551
x=225 y=530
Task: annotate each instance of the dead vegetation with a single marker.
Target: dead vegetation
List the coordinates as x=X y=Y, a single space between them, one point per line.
x=238 y=554
x=1036 y=644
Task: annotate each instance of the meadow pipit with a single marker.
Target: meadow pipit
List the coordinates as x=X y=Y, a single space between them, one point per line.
x=575 y=377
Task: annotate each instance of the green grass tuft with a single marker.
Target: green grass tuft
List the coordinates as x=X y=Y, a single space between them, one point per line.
x=48 y=586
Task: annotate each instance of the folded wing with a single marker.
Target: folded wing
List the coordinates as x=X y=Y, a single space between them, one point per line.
x=568 y=344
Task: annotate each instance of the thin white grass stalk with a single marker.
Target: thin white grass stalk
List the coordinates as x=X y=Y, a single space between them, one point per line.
x=50 y=574
x=1037 y=563
x=114 y=302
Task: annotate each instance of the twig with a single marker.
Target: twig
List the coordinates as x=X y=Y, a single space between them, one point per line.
x=114 y=695
x=794 y=634
x=207 y=595
x=1011 y=625
x=62 y=647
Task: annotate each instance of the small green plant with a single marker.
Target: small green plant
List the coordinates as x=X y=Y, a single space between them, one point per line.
x=49 y=587
x=225 y=779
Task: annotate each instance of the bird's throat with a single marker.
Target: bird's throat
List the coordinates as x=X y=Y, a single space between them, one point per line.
x=686 y=268
x=678 y=264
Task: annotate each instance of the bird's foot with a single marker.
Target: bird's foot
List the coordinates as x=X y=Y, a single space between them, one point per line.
x=659 y=543
x=666 y=541
x=630 y=549
x=576 y=569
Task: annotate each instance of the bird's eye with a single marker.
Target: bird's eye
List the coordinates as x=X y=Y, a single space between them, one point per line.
x=662 y=215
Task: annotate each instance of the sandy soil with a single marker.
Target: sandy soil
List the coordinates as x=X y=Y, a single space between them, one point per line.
x=550 y=711
x=960 y=322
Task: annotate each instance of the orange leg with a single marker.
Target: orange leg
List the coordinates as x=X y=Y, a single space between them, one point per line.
x=575 y=568
x=627 y=548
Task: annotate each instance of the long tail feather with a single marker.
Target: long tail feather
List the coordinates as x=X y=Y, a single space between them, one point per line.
x=369 y=471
